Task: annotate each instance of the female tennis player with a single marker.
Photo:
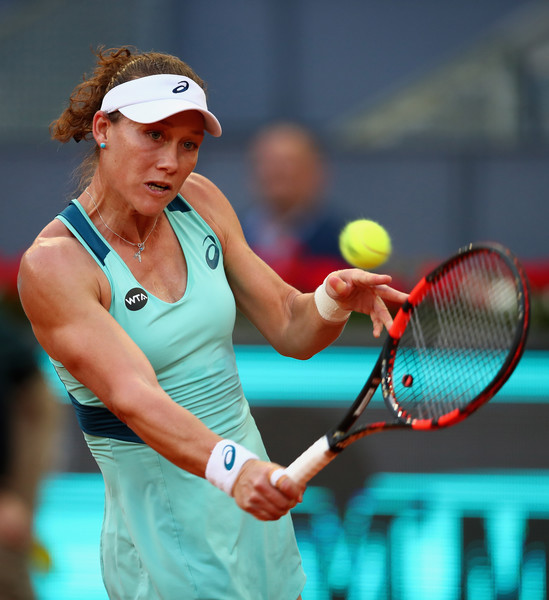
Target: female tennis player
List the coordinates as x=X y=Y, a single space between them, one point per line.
x=132 y=292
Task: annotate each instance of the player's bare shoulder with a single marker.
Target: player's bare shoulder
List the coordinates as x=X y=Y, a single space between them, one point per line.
x=213 y=206
x=203 y=194
x=56 y=262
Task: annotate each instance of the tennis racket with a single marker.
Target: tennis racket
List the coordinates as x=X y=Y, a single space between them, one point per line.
x=453 y=344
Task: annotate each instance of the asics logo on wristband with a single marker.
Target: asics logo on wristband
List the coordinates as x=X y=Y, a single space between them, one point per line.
x=229 y=456
x=225 y=463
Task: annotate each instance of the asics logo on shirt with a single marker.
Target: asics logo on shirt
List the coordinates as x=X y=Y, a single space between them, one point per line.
x=229 y=456
x=212 y=252
x=136 y=299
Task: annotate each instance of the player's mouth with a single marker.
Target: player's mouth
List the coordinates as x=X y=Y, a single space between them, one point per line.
x=157 y=187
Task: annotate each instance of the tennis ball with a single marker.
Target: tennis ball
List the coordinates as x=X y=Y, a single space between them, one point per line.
x=364 y=244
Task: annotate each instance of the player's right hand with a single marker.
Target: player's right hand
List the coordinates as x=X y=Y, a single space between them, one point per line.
x=255 y=494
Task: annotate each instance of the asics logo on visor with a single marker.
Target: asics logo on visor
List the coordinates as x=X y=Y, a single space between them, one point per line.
x=183 y=86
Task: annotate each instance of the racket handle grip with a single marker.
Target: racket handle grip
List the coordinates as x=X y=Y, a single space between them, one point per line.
x=306 y=466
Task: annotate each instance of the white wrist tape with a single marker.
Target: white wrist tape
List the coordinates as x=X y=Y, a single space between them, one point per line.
x=225 y=462
x=327 y=307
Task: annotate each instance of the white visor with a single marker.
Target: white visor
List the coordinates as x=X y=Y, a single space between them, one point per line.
x=156 y=97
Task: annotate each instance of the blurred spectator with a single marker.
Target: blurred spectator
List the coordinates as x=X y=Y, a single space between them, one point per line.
x=291 y=225
x=27 y=424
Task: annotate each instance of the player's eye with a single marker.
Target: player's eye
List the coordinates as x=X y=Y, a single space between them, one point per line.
x=155 y=135
x=189 y=145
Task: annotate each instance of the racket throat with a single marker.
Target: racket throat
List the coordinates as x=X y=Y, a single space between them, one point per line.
x=336 y=438
x=358 y=407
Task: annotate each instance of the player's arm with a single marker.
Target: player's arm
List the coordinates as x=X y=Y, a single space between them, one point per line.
x=63 y=302
x=288 y=319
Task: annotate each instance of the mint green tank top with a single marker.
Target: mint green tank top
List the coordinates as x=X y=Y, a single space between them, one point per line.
x=201 y=544
x=188 y=342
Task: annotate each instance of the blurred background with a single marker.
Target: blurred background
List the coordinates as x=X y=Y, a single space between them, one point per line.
x=433 y=119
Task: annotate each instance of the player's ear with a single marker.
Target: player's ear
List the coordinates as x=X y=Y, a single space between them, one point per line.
x=100 y=127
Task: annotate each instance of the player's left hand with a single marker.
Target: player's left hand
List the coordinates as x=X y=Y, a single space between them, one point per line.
x=364 y=292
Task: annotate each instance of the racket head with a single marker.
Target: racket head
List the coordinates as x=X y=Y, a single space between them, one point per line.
x=457 y=339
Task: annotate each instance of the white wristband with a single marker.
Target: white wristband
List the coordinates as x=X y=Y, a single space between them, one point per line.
x=225 y=462
x=327 y=307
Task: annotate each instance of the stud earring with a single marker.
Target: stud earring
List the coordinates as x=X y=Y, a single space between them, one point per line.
x=102 y=145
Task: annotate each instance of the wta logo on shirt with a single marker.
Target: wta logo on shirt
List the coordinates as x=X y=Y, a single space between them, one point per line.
x=212 y=252
x=136 y=299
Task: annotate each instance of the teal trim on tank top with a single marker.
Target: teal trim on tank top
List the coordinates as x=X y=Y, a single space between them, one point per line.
x=188 y=342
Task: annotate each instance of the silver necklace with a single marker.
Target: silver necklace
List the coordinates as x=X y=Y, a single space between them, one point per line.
x=140 y=245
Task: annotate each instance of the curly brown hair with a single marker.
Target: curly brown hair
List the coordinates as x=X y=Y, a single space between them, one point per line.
x=114 y=66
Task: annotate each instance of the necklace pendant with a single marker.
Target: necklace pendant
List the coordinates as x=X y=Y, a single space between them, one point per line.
x=140 y=248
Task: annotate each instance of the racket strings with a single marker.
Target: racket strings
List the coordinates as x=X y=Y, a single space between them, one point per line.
x=458 y=337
